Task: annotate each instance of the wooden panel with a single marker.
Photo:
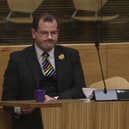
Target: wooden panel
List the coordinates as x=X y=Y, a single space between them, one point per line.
x=90 y=62
x=5 y=120
x=118 y=60
x=80 y=114
x=52 y=118
x=89 y=115
x=51 y=113
x=115 y=60
x=95 y=115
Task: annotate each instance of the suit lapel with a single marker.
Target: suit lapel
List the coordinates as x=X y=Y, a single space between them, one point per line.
x=35 y=70
x=34 y=66
x=60 y=65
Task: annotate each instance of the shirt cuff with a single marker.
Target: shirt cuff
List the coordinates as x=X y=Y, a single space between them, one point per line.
x=56 y=97
x=17 y=110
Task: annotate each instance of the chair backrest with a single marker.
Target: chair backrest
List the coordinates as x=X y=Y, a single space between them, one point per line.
x=27 y=6
x=89 y=5
x=112 y=83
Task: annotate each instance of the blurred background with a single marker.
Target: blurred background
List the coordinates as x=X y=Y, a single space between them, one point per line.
x=87 y=29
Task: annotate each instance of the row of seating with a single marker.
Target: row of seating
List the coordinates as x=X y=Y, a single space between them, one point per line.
x=115 y=82
x=29 y=6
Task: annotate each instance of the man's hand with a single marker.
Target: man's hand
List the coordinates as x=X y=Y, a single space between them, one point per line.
x=48 y=98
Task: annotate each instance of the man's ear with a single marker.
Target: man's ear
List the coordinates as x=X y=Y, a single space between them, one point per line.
x=33 y=33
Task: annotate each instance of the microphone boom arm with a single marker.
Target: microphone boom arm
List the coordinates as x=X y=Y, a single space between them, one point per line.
x=101 y=66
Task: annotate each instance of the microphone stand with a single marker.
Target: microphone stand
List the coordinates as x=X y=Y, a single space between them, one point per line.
x=104 y=94
x=101 y=66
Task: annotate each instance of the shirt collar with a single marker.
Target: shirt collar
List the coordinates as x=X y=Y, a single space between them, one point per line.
x=39 y=52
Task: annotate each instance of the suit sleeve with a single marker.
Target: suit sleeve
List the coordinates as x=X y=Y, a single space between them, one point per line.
x=75 y=91
x=10 y=85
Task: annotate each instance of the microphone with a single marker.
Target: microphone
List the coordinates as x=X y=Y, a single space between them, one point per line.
x=101 y=66
x=104 y=94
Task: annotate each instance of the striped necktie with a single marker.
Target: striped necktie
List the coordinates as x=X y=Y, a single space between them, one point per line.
x=48 y=69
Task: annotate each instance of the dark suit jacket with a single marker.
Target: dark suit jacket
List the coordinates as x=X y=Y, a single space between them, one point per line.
x=23 y=74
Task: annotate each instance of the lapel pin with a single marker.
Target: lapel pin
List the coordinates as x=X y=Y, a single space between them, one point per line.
x=61 y=57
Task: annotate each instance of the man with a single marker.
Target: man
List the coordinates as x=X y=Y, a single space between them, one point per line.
x=26 y=71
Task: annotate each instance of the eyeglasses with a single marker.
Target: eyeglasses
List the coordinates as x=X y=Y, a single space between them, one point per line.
x=47 y=33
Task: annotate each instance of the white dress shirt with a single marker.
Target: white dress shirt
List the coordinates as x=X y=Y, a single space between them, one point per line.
x=51 y=57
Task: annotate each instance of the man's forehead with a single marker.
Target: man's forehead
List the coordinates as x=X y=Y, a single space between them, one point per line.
x=42 y=21
x=48 y=24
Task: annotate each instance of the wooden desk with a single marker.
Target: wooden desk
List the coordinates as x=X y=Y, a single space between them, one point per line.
x=80 y=114
x=95 y=115
x=51 y=112
x=5 y=122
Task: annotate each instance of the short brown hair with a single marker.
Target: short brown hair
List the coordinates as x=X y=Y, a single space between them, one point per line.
x=46 y=17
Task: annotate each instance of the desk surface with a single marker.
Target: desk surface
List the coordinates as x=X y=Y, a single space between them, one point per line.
x=30 y=103
x=80 y=114
x=56 y=103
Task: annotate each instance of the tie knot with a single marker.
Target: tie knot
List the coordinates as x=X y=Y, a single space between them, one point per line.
x=45 y=55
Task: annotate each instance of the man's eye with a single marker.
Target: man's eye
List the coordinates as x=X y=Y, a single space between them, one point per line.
x=48 y=33
x=44 y=33
x=54 y=32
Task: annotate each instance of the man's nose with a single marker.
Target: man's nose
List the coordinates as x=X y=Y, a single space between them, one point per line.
x=49 y=35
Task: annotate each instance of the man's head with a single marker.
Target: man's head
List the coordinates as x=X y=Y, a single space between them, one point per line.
x=45 y=31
